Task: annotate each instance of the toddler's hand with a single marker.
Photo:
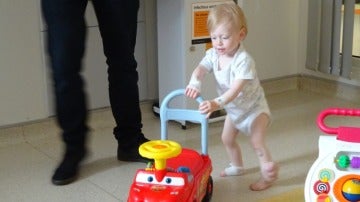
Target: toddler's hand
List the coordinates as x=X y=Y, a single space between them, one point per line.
x=207 y=107
x=191 y=92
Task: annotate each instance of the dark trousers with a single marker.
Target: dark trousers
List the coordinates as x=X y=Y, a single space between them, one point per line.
x=66 y=43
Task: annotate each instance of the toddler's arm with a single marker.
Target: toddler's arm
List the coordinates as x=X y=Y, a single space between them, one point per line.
x=232 y=93
x=194 y=87
x=208 y=106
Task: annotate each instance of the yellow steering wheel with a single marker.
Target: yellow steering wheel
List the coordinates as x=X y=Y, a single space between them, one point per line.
x=160 y=150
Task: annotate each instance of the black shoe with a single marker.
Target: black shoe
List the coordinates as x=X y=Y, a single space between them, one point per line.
x=132 y=154
x=67 y=171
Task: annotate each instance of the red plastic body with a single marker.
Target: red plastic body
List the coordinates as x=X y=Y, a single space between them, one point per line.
x=176 y=186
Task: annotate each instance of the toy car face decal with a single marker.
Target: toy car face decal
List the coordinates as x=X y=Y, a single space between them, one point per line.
x=150 y=179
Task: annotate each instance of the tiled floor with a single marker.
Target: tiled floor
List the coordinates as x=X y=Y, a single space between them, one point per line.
x=29 y=153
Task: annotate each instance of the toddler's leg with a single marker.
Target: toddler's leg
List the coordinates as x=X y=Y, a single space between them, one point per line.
x=269 y=170
x=232 y=170
x=232 y=148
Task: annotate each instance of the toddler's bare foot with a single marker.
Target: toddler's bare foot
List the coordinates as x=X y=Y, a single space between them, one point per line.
x=269 y=172
x=232 y=170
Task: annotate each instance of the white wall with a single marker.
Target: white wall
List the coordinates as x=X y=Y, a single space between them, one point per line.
x=21 y=77
x=273 y=36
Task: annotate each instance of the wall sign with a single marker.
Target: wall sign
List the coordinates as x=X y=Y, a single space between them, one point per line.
x=200 y=12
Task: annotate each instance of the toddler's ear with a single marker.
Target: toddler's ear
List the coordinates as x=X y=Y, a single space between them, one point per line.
x=242 y=33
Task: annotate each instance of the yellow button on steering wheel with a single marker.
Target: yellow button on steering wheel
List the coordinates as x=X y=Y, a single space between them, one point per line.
x=160 y=150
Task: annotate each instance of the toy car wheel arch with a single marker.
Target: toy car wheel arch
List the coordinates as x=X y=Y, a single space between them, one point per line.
x=209 y=190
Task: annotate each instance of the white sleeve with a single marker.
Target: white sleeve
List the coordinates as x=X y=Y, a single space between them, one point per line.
x=244 y=69
x=208 y=60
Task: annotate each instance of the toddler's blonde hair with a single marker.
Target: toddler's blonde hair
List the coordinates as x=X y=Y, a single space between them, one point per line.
x=227 y=13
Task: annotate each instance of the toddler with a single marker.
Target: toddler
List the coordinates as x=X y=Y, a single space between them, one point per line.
x=239 y=89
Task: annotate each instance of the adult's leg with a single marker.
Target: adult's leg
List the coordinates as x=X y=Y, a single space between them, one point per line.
x=65 y=41
x=118 y=26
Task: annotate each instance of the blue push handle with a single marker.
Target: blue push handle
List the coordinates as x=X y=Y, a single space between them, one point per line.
x=167 y=114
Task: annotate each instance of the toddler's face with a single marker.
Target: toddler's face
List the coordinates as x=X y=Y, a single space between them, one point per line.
x=226 y=39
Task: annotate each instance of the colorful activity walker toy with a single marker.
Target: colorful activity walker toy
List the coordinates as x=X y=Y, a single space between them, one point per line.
x=335 y=175
x=177 y=174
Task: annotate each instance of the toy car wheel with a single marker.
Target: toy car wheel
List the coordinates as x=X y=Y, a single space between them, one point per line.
x=209 y=190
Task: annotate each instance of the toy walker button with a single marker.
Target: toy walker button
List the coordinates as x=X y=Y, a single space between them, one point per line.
x=351 y=190
x=343 y=161
x=326 y=175
x=323 y=198
x=321 y=187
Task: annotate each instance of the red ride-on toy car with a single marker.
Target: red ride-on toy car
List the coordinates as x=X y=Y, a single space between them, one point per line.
x=177 y=174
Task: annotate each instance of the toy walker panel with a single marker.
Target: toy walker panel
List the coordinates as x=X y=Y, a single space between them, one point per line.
x=335 y=175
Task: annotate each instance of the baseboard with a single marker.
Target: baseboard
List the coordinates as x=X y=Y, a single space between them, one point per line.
x=313 y=84
x=277 y=85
